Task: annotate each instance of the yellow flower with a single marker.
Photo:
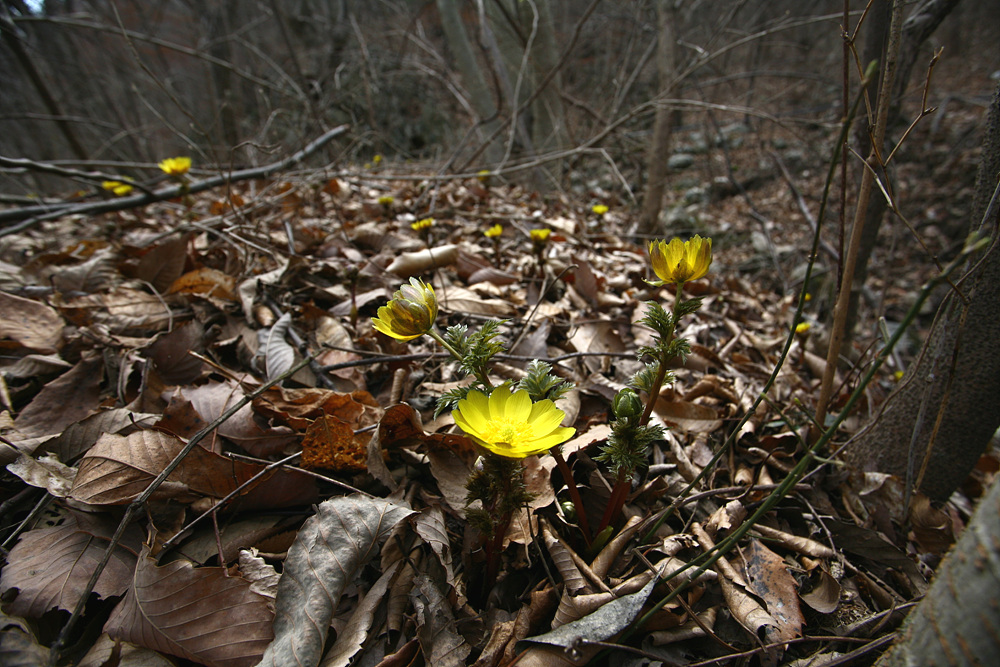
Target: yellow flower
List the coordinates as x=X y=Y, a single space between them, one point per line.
x=600 y=209
x=386 y=200
x=421 y=225
x=410 y=314
x=176 y=166
x=680 y=261
x=802 y=327
x=483 y=175
x=117 y=188
x=377 y=159
x=510 y=425
x=494 y=231
x=540 y=235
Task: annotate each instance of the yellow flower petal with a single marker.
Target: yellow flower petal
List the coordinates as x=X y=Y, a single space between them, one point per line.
x=680 y=261
x=510 y=425
x=175 y=166
x=410 y=314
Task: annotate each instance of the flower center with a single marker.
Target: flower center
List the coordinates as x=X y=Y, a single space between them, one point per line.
x=507 y=431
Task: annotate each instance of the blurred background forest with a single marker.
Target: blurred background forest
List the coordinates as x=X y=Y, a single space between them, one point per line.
x=463 y=86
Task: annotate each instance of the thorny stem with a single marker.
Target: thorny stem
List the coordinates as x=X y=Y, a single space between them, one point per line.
x=494 y=546
x=620 y=491
x=661 y=373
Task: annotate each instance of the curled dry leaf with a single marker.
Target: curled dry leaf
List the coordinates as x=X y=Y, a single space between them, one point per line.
x=72 y=396
x=413 y=263
x=205 y=282
x=30 y=324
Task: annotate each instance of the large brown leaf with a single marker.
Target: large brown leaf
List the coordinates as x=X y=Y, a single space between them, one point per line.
x=34 y=325
x=197 y=613
x=118 y=468
x=65 y=400
x=51 y=566
x=327 y=555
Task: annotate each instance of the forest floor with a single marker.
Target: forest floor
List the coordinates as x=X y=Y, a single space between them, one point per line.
x=130 y=334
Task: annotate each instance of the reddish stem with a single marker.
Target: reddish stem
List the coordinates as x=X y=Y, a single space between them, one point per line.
x=574 y=494
x=617 y=500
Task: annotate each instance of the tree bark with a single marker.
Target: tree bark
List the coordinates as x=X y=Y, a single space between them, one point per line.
x=659 y=151
x=958 y=622
x=936 y=425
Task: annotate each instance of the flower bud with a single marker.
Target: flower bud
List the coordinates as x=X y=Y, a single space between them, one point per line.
x=626 y=404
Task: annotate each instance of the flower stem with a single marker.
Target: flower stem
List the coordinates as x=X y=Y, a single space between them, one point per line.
x=443 y=343
x=617 y=499
x=654 y=391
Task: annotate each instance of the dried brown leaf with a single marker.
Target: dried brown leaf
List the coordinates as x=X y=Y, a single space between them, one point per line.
x=65 y=400
x=118 y=468
x=203 y=614
x=51 y=566
x=769 y=579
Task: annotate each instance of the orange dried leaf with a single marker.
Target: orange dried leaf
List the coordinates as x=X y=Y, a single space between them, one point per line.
x=206 y=282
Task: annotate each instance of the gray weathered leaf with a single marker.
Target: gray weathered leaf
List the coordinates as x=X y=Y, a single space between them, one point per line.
x=352 y=637
x=327 y=554
x=278 y=354
x=604 y=623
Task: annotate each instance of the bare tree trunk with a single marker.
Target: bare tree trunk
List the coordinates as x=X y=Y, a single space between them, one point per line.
x=935 y=426
x=480 y=96
x=13 y=38
x=958 y=622
x=656 y=160
x=917 y=28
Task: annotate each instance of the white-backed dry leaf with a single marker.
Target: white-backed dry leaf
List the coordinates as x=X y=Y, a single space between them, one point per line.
x=327 y=555
x=279 y=356
x=47 y=472
x=687 y=416
x=414 y=263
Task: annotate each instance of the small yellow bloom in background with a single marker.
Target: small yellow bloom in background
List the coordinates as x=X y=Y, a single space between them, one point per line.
x=681 y=261
x=898 y=375
x=483 y=175
x=540 y=235
x=377 y=160
x=421 y=225
x=510 y=425
x=494 y=231
x=176 y=166
x=410 y=314
x=808 y=297
x=386 y=200
x=117 y=188
x=600 y=209
x=802 y=327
